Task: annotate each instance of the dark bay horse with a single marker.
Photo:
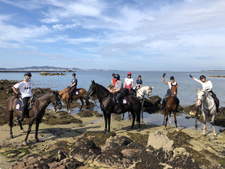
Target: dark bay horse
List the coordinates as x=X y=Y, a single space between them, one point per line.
x=82 y=96
x=108 y=104
x=171 y=106
x=36 y=113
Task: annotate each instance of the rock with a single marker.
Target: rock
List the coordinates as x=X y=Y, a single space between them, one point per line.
x=117 y=142
x=180 y=152
x=159 y=140
x=61 y=155
x=85 y=150
x=130 y=153
x=187 y=109
x=152 y=104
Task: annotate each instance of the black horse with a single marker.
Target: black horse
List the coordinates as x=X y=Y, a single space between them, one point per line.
x=108 y=105
x=36 y=113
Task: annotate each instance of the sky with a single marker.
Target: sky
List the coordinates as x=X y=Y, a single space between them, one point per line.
x=138 y=35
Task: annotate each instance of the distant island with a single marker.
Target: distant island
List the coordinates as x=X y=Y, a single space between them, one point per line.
x=44 y=69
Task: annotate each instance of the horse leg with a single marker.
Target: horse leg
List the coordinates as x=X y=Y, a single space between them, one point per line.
x=82 y=103
x=204 y=124
x=170 y=122
x=36 y=131
x=29 y=129
x=21 y=126
x=213 y=123
x=196 y=120
x=11 y=123
x=175 y=119
x=68 y=106
x=133 y=115
x=87 y=103
x=139 y=121
x=109 y=121
x=105 y=117
x=123 y=116
x=166 y=119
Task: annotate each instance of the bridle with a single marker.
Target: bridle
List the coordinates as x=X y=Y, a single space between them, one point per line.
x=97 y=93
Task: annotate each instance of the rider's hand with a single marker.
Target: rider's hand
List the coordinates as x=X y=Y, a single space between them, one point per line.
x=164 y=74
x=191 y=76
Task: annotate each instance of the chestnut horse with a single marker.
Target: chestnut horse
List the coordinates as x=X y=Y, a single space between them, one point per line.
x=36 y=113
x=171 y=106
x=82 y=95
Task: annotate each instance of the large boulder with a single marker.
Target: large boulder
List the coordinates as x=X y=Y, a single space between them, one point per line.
x=152 y=104
x=159 y=140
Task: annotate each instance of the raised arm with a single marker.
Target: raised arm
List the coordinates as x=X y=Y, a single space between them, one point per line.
x=164 y=74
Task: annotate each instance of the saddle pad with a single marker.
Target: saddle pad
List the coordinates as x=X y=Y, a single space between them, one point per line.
x=19 y=104
x=124 y=100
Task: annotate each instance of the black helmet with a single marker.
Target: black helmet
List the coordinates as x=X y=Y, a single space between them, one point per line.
x=139 y=76
x=74 y=74
x=172 y=78
x=202 y=77
x=117 y=76
x=27 y=74
x=113 y=74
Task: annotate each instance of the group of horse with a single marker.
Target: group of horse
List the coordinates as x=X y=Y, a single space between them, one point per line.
x=107 y=103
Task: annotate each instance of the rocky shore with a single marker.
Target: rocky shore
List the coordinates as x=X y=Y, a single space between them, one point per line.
x=78 y=141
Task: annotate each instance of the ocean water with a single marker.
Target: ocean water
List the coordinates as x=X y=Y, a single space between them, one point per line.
x=186 y=90
x=186 y=85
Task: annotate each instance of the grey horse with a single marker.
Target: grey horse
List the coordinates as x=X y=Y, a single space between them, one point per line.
x=207 y=106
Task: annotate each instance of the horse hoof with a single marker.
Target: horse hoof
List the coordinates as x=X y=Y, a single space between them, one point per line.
x=22 y=131
x=11 y=136
x=24 y=143
x=177 y=129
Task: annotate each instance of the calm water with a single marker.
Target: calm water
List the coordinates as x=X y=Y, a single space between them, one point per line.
x=186 y=91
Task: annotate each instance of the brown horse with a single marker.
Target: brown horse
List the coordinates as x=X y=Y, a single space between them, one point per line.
x=36 y=113
x=171 y=106
x=82 y=95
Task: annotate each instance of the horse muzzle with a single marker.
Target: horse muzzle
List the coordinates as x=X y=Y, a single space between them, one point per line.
x=198 y=103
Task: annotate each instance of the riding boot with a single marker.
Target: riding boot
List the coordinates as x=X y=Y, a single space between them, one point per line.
x=70 y=98
x=178 y=102
x=119 y=110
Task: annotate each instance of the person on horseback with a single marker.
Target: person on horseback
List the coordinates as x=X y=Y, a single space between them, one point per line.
x=72 y=86
x=172 y=82
x=113 y=81
x=207 y=85
x=27 y=91
x=118 y=92
x=128 y=82
x=139 y=82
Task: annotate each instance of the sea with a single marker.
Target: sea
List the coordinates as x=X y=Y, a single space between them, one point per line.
x=186 y=87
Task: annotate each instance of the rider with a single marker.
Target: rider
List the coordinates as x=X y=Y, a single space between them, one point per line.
x=72 y=86
x=113 y=81
x=118 y=91
x=172 y=82
x=27 y=91
x=128 y=82
x=139 y=82
x=207 y=85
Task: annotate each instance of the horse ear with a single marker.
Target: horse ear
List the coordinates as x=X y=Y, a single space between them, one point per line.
x=93 y=81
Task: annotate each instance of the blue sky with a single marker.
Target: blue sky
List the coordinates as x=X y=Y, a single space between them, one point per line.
x=174 y=35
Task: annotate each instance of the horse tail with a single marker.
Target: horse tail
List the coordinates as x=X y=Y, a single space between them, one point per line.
x=9 y=109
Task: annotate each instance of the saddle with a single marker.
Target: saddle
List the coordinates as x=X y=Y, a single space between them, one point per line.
x=75 y=92
x=19 y=105
x=123 y=100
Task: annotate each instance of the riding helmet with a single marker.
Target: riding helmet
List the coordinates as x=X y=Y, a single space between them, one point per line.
x=172 y=78
x=74 y=74
x=129 y=73
x=139 y=76
x=113 y=74
x=202 y=77
x=27 y=74
x=117 y=76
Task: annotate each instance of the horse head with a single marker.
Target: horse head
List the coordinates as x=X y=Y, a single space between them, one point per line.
x=92 y=89
x=55 y=100
x=149 y=91
x=201 y=96
x=173 y=91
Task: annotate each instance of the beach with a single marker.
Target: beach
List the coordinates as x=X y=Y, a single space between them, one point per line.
x=80 y=140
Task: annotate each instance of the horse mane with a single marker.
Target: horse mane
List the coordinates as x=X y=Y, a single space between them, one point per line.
x=106 y=90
